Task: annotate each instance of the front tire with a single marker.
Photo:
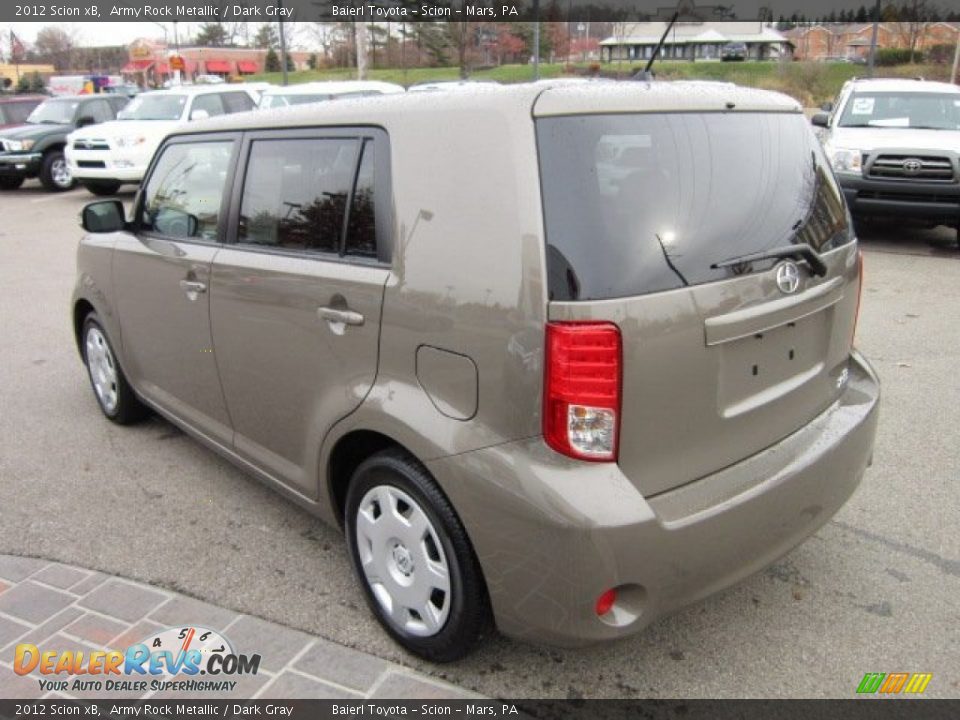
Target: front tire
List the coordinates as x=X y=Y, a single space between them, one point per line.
x=413 y=558
x=10 y=183
x=54 y=173
x=102 y=187
x=116 y=398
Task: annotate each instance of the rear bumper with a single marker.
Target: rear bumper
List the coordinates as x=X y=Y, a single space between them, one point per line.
x=20 y=164
x=907 y=199
x=552 y=535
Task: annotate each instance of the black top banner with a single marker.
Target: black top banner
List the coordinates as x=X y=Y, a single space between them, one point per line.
x=202 y=11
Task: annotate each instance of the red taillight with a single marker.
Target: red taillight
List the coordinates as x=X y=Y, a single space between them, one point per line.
x=856 y=317
x=581 y=393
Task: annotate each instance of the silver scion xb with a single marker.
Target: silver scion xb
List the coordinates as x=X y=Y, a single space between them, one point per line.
x=564 y=358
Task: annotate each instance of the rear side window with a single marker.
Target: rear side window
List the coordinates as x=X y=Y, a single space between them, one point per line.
x=237 y=102
x=17 y=112
x=362 y=227
x=644 y=203
x=296 y=191
x=183 y=196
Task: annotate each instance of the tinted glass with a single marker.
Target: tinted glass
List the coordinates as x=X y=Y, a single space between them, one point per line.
x=17 y=112
x=237 y=102
x=361 y=230
x=210 y=103
x=99 y=110
x=295 y=193
x=937 y=111
x=183 y=195
x=643 y=203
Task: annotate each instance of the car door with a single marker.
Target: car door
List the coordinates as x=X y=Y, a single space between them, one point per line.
x=296 y=294
x=161 y=275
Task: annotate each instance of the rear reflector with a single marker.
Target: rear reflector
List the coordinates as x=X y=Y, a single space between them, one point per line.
x=581 y=394
x=606 y=602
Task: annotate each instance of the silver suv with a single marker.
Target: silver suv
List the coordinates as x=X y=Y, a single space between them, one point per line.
x=565 y=357
x=895 y=147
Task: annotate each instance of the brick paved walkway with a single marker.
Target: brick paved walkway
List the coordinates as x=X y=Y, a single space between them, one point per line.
x=60 y=607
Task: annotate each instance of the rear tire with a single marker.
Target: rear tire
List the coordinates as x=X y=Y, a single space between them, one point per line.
x=10 y=183
x=420 y=576
x=116 y=398
x=54 y=173
x=102 y=187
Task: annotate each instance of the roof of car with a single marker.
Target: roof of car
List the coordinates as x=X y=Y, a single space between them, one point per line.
x=334 y=87
x=542 y=99
x=199 y=89
x=22 y=98
x=904 y=85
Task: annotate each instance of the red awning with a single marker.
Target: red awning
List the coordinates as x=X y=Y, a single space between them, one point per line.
x=247 y=66
x=217 y=66
x=135 y=66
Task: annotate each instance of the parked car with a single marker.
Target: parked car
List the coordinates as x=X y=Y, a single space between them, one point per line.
x=35 y=149
x=520 y=389
x=274 y=97
x=733 y=52
x=128 y=89
x=110 y=155
x=449 y=85
x=895 y=147
x=15 y=109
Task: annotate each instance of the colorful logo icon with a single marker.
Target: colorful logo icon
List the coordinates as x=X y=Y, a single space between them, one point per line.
x=894 y=683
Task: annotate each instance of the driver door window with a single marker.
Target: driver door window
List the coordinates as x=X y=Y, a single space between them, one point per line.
x=209 y=103
x=183 y=196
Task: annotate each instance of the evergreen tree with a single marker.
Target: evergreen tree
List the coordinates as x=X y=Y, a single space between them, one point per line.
x=271 y=62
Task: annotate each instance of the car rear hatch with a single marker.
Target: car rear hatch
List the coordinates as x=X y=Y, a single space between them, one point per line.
x=651 y=220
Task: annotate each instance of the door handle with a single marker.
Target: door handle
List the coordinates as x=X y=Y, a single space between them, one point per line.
x=193 y=286
x=347 y=317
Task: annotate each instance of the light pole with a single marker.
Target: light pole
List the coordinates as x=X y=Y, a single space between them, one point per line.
x=283 y=44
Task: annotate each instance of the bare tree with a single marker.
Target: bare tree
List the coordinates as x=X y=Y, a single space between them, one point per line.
x=55 y=44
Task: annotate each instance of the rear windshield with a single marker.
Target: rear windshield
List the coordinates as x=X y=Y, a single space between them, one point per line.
x=644 y=203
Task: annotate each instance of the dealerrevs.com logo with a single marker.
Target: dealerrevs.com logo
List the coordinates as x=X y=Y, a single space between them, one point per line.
x=169 y=660
x=894 y=683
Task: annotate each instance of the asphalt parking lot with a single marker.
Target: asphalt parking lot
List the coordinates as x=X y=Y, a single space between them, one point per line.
x=876 y=590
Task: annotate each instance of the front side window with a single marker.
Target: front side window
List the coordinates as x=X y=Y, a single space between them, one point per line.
x=99 y=110
x=237 y=102
x=211 y=104
x=644 y=203
x=183 y=195
x=296 y=192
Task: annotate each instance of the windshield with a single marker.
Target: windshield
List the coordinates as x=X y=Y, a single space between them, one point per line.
x=636 y=204
x=154 y=107
x=935 y=111
x=56 y=112
x=275 y=101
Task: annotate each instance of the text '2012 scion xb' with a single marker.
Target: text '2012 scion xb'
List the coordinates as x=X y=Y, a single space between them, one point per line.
x=561 y=357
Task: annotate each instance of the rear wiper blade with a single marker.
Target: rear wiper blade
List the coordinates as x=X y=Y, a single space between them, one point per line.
x=801 y=251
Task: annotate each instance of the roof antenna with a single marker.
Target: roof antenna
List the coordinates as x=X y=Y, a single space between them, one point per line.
x=646 y=74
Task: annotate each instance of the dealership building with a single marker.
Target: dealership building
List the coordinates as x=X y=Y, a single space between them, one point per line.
x=694 y=40
x=148 y=63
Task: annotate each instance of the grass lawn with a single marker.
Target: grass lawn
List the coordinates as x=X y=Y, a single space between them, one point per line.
x=810 y=83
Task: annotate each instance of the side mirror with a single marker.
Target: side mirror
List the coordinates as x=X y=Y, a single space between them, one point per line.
x=86 y=120
x=199 y=114
x=827 y=107
x=103 y=216
x=821 y=119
